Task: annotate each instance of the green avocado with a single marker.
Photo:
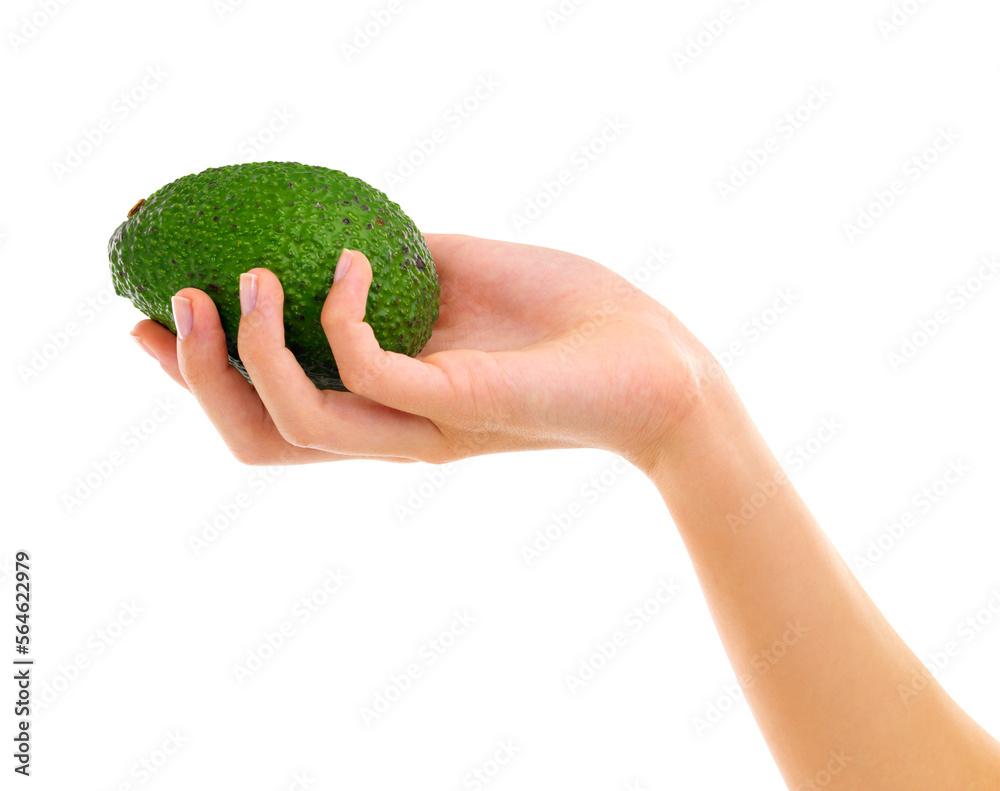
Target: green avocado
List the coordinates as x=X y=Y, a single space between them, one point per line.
x=204 y=230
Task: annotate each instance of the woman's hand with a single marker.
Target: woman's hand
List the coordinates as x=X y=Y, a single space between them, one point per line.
x=534 y=348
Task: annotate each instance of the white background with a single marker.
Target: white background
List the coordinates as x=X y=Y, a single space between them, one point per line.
x=228 y=72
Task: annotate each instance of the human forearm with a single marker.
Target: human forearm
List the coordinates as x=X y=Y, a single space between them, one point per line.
x=824 y=673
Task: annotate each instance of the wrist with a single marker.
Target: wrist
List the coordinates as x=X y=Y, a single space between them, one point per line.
x=706 y=416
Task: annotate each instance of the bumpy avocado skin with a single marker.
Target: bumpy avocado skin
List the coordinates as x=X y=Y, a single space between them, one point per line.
x=205 y=229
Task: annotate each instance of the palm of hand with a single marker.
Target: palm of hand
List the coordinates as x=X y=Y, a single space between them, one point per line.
x=593 y=360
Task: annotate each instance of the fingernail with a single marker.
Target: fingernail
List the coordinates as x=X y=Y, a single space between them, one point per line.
x=143 y=346
x=248 y=292
x=343 y=265
x=183 y=316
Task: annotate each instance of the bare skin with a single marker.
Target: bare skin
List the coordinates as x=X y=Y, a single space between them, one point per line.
x=537 y=348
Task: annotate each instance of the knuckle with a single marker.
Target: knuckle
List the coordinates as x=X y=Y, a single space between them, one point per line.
x=365 y=376
x=245 y=345
x=296 y=432
x=328 y=321
x=197 y=380
x=249 y=455
x=442 y=454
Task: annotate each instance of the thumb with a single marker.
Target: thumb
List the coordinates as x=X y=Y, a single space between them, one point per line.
x=393 y=379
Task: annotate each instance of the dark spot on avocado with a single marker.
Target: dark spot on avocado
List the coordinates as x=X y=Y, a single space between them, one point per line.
x=347 y=221
x=213 y=288
x=369 y=226
x=216 y=218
